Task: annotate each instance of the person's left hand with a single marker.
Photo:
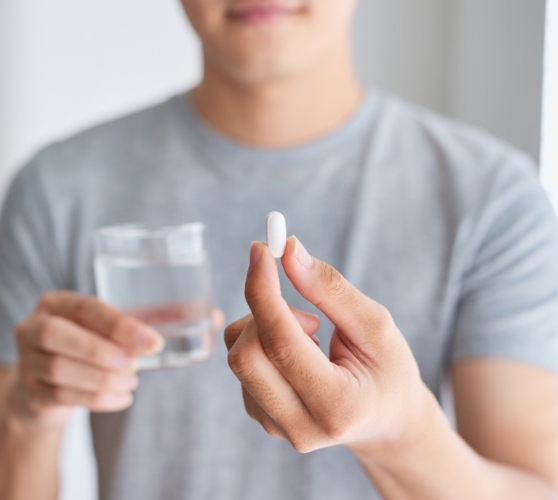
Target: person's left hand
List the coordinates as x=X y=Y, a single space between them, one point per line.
x=368 y=395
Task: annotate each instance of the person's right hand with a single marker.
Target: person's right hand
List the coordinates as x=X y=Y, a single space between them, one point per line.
x=76 y=351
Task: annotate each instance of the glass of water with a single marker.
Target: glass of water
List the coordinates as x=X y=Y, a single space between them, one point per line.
x=161 y=276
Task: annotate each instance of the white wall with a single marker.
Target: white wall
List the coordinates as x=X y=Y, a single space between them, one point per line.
x=67 y=64
x=477 y=60
x=497 y=68
x=549 y=155
x=402 y=46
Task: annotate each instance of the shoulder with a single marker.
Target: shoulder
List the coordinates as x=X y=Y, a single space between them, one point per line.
x=451 y=139
x=148 y=124
x=451 y=158
x=110 y=146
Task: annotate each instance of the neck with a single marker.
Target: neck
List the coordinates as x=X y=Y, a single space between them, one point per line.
x=282 y=113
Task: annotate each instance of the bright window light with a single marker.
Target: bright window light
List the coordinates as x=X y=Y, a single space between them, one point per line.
x=549 y=147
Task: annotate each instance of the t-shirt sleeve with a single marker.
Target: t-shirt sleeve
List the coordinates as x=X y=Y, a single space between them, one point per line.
x=509 y=298
x=28 y=256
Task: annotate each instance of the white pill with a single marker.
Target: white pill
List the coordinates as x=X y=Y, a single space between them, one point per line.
x=276 y=234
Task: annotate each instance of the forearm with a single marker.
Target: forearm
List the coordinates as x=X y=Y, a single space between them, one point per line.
x=28 y=460
x=441 y=465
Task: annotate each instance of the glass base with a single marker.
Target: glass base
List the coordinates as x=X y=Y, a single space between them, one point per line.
x=184 y=345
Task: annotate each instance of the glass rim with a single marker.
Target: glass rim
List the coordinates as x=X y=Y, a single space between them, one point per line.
x=139 y=230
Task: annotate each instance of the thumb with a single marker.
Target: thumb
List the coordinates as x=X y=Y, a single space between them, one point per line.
x=353 y=313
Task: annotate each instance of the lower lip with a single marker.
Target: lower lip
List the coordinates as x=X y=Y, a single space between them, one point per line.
x=255 y=16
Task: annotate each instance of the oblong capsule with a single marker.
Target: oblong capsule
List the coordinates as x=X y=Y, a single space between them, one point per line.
x=276 y=234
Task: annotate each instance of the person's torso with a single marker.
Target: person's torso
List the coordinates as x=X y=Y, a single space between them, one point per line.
x=383 y=209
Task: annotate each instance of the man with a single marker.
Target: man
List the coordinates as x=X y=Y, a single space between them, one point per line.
x=444 y=232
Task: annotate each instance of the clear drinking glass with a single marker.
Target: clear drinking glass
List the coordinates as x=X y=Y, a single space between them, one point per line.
x=161 y=276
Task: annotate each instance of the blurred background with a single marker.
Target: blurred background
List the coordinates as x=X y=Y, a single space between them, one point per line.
x=65 y=65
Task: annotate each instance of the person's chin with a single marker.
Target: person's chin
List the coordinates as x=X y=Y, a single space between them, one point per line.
x=255 y=75
x=260 y=71
x=255 y=56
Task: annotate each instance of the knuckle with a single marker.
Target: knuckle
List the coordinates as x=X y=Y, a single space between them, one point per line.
x=381 y=321
x=331 y=278
x=85 y=306
x=28 y=380
x=280 y=352
x=254 y=297
x=250 y=405
x=335 y=284
x=274 y=431
x=250 y=295
x=46 y=301
x=97 y=400
x=229 y=330
x=231 y=334
x=301 y=443
x=252 y=412
x=123 y=327
x=54 y=368
x=271 y=428
x=334 y=429
x=93 y=352
x=47 y=331
x=337 y=424
x=234 y=331
x=241 y=363
x=105 y=381
x=383 y=317
x=58 y=395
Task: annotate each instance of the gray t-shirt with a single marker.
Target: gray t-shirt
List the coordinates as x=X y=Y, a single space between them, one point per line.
x=442 y=224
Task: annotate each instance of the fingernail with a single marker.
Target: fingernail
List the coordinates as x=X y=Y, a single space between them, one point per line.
x=310 y=315
x=315 y=339
x=148 y=340
x=255 y=253
x=302 y=255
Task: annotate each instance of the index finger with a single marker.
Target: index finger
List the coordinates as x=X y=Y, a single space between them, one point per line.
x=132 y=335
x=283 y=339
x=309 y=323
x=233 y=331
x=62 y=337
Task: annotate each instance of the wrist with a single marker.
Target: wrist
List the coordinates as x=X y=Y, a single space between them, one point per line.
x=422 y=427
x=21 y=416
x=29 y=450
x=428 y=462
